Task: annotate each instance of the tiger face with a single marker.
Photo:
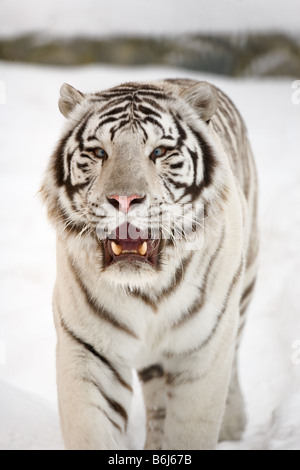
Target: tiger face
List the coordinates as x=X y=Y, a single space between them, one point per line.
x=134 y=171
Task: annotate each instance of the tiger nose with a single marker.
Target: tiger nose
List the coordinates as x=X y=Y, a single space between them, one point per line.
x=123 y=203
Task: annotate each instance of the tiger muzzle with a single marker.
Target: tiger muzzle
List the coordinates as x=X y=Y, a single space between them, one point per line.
x=129 y=245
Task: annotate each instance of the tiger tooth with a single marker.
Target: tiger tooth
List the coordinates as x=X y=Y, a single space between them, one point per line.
x=143 y=249
x=117 y=249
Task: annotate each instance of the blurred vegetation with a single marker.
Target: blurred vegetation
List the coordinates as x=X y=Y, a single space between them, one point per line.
x=237 y=55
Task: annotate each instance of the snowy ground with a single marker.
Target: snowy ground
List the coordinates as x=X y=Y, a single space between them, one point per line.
x=29 y=126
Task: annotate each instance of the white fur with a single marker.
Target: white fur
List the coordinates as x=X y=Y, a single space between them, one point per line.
x=195 y=398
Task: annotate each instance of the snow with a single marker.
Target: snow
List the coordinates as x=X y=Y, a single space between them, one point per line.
x=27 y=422
x=102 y=17
x=270 y=365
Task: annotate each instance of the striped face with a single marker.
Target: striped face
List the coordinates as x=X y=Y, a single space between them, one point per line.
x=135 y=168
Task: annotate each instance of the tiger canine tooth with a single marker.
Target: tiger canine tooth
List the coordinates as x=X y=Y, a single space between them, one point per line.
x=143 y=248
x=117 y=249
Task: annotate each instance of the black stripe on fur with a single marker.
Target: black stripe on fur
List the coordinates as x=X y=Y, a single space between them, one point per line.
x=95 y=307
x=155 y=371
x=95 y=353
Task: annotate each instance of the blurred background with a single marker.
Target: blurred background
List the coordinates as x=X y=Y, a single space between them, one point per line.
x=250 y=49
x=230 y=37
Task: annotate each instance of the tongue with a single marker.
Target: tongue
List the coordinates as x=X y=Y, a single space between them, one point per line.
x=130 y=245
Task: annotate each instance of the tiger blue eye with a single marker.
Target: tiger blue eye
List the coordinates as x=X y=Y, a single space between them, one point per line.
x=100 y=153
x=158 y=152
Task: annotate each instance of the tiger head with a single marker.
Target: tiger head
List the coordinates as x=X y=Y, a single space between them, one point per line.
x=134 y=162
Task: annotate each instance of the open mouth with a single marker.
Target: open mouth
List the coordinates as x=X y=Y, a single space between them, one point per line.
x=124 y=248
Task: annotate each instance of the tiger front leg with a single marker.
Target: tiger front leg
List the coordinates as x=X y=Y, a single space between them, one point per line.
x=154 y=392
x=235 y=418
x=93 y=394
x=196 y=402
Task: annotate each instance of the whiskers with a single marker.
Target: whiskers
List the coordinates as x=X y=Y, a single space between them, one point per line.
x=179 y=226
x=77 y=225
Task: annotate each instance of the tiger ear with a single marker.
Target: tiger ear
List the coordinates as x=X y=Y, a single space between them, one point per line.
x=69 y=98
x=203 y=97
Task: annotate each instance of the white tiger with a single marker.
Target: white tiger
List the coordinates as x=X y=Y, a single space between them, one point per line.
x=153 y=302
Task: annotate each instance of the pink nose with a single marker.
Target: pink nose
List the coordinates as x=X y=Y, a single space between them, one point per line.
x=123 y=203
